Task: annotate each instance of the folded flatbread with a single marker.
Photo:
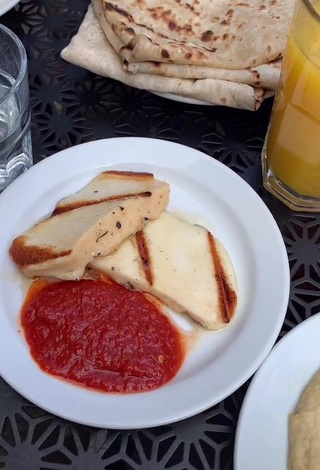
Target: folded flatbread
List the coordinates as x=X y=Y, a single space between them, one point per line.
x=265 y=75
x=90 y=49
x=231 y=34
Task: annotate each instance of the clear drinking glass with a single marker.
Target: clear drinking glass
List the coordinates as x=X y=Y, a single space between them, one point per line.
x=291 y=153
x=15 y=138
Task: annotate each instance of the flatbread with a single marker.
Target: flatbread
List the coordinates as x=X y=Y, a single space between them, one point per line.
x=230 y=34
x=304 y=429
x=304 y=441
x=310 y=398
x=265 y=75
x=90 y=49
x=262 y=76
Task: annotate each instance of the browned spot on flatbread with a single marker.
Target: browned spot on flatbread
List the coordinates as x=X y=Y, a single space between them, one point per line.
x=165 y=53
x=172 y=25
x=256 y=74
x=207 y=36
x=186 y=28
x=130 y=30
x=188 y=55
x=201 y=55
x=263 y=7
x=143 y=250
x=77 y=204
x=25 y=255
x=223 y=100
x=190 y=7
x=126 y=48
x=228 y=18
x=159 y=13
x=227 y=296
x=111 y=7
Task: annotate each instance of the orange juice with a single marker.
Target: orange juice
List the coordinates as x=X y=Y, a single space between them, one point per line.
x=293 y=145
x=294 y=138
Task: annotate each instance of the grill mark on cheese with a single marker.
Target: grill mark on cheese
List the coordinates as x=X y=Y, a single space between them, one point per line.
x=77 y=204
x=227 y=296
x=144 y=254
x=129 y=175
x=24 y=255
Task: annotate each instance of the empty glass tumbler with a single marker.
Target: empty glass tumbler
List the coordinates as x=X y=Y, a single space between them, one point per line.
x=15 y=138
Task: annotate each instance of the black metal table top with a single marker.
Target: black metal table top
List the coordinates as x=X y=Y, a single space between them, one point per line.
x=72 y=106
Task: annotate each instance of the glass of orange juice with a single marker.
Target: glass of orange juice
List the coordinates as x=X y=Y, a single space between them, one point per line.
x=291 y=152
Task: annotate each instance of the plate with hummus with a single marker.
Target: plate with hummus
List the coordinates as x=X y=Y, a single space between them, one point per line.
x=134 y=290
x=279 y=423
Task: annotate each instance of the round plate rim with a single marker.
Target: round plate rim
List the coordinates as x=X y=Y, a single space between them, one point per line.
x=182 y=99
x=276 y=350
x=197 y=155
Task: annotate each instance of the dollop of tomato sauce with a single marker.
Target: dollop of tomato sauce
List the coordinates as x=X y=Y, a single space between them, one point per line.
x=100 y=335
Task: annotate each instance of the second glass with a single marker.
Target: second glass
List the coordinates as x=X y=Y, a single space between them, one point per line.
x=15 y=138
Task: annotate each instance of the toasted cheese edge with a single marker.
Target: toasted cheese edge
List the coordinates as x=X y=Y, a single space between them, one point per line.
x=68 y=265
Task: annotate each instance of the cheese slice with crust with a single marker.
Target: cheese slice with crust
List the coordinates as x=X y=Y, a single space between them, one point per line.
x=93 y=222
x=182 y=264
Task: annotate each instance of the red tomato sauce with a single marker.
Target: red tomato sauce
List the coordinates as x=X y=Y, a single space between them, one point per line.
x=100 y=335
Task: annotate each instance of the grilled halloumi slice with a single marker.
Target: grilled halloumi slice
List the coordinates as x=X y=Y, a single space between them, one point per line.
x=93 y=222
x=181 y=264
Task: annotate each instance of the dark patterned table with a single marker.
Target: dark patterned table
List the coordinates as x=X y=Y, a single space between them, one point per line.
x=71 y=106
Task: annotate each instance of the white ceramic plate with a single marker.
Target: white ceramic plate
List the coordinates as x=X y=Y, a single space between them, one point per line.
x=180 y=98
x=208 y=191
x=262 y=432
x=6 y=5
